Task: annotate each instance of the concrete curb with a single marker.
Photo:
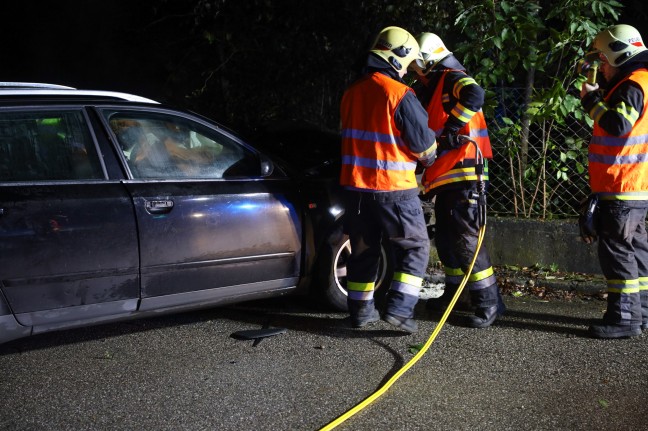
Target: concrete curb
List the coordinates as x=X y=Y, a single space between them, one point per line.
x=435 y=282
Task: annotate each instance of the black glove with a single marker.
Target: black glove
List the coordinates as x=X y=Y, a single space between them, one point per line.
x=587 y=219
x=448 y=141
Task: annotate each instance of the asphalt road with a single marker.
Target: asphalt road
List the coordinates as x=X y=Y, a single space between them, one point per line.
x=535 y=369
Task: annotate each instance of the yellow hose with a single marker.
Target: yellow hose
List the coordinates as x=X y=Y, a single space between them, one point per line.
x=371 y=398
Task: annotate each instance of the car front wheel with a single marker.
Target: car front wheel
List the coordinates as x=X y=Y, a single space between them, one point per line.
x=334 y=272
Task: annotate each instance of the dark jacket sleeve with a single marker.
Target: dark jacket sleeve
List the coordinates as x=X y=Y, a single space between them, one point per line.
x=465 y=99
x=412 y=121
x=619 y=114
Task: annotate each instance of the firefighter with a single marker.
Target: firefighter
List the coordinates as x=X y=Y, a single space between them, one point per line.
x=618 y=169
x=384 y=135
x=454 y=100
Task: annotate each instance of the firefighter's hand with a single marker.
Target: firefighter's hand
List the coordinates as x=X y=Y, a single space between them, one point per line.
x=448 y=142
x=588 y=88
x=587 y=219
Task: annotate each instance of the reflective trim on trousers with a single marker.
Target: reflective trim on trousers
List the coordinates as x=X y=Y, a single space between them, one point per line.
x=361 y=296
x=476 y=281
x=408 y=278
x=627 y=292
x=623 y=286
x=406 y=284
x=643 y=284
x=360 y=291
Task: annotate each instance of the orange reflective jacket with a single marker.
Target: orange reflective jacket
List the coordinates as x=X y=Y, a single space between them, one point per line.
x=618 y=165
x=443 y=171
x=374 y=157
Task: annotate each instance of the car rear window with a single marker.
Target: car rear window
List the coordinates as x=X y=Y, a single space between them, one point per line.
x=46 y=145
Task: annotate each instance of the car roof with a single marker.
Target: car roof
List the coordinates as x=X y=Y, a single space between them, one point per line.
x=35 y=90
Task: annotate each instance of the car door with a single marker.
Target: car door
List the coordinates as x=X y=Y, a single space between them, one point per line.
x=68 y=243
x=212 y=228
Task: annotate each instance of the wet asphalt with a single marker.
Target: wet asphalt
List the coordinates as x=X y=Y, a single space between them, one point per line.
x=535 y=369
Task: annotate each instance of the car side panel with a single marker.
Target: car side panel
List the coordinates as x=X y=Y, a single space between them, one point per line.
x=67 y=245
x=10 y=329
x=216 y=234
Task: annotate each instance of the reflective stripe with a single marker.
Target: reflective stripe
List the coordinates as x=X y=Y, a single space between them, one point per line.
x=615 y=141
x=482 y=279
x=456 y=175
x=361 y=296
x=360 y=287
x=406 y=283
x=452 y=271
x=624 y=196
x=462 y=113
x=427 y=152
x=478 y=133
x=374 y=155
x=628 y=112
x=453 y=275
x=643 y=283
x=408 y=278
x=459 y=85
x=445 y=163
x=618 y=159
x=618 y=165
x=365 y=135
x=476 y=281
x=598 y=110
x=477 y=276
x=623 y=286
x=378 y=164
x=405 y=288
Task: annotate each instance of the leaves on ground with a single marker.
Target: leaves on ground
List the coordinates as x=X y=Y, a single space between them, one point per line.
x=415 y=348
x=520 y=281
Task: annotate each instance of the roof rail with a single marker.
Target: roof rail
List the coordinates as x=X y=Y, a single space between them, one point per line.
x=15 y=85
x=11 y=89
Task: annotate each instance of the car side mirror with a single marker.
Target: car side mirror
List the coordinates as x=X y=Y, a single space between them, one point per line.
x=267 y=167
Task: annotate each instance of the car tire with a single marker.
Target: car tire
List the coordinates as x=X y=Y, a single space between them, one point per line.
x=333 y=272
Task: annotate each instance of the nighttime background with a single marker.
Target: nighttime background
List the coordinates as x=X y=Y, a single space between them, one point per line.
x=243 y=62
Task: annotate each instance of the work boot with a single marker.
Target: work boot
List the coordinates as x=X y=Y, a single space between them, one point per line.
x=439 y=305
x=484 y=317
x=405 y=323
x=489 y=305
x=614 y=330
x=400 y=310
x=362 y=313
x=643 y=295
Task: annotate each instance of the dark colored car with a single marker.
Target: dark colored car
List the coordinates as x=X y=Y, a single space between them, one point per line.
x=113 y=207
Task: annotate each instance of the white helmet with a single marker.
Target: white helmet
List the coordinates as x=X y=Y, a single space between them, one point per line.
x=433 y=51
x=398 y=47
x=618 y=44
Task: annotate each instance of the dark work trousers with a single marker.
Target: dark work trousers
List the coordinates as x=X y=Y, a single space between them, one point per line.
x=398 y=217
x=456 y=236
x=623 y=255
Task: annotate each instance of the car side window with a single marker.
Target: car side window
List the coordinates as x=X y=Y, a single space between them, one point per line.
x=47 y=145
x=163 y=146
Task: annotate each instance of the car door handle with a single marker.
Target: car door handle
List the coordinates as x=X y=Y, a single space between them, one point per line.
x=159 y=207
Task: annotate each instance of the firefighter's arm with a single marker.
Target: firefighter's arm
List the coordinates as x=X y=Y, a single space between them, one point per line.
x=465 y=97
x=619 y=114
x=412 y=121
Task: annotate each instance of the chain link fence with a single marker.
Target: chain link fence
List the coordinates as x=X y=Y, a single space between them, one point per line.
x=539 y=169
